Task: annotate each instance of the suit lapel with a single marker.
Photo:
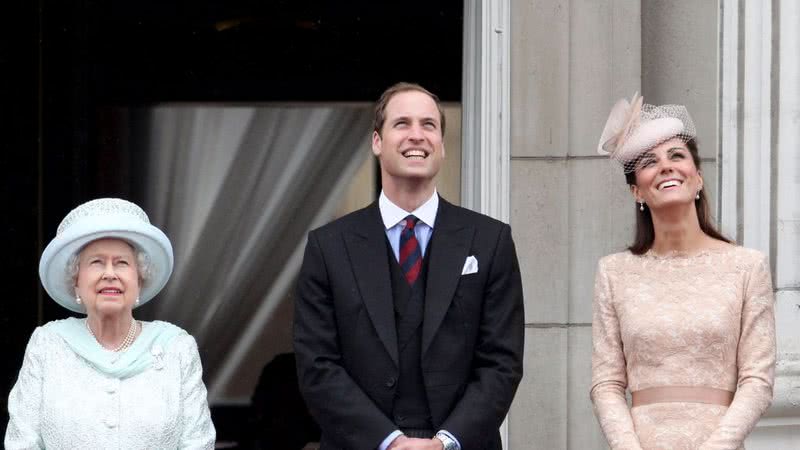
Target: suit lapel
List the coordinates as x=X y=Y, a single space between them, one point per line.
x=449 y=248
x=366 y=248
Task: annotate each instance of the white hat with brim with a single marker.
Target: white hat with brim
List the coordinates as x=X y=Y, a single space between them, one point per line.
x=102 y=219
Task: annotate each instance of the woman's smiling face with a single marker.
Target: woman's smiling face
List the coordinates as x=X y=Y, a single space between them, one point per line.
x=666 y=175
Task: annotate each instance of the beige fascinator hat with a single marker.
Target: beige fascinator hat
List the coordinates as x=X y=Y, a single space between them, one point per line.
x=99 y=219
x=634 y=127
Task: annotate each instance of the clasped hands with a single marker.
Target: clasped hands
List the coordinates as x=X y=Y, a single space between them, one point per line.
x=406 y=443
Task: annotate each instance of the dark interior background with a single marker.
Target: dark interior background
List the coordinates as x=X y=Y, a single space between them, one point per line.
x=67 y=66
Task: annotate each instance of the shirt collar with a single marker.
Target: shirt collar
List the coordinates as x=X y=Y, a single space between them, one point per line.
x=393 y=214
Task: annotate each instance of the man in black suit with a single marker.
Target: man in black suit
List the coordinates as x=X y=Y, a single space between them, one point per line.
x=409 y=318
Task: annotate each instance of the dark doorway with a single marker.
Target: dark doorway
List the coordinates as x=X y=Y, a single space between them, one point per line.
x=68 y=67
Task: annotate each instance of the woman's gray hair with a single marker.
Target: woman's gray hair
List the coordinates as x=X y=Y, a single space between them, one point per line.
x=143 y=265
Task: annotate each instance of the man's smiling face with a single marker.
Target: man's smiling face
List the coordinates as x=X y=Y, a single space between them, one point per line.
x=410 y=145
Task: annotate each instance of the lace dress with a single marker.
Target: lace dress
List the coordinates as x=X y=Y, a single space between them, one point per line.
x=60 y=401
x=705 y=320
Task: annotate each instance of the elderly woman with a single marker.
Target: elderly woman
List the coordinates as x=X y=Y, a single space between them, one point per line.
x=683 y=319
x=109 y=380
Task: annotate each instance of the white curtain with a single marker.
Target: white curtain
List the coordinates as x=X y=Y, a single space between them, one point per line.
x=236 y=189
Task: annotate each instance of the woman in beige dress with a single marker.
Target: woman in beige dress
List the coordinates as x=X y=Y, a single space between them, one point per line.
x=684 y=319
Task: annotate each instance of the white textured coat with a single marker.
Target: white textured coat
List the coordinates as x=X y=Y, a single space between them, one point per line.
x=61 y=402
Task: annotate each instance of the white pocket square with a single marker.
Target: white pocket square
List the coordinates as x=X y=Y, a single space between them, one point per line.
x=470 y=265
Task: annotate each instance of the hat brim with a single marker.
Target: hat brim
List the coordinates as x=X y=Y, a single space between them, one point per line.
x=145 y=237
x=649 y=135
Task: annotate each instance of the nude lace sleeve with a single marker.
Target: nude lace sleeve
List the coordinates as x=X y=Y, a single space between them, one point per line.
x=755 y=360
x=609 y=379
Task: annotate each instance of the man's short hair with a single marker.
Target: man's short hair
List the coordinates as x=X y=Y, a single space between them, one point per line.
x=380 y=107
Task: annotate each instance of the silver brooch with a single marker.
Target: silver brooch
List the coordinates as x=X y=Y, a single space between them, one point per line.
x=158 y=357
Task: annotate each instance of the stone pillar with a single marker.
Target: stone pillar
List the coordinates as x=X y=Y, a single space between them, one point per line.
x=760 y=178
x=485 y=159
x=570 y=61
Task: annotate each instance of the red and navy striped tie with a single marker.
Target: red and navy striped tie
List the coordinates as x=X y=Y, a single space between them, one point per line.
x=410 y=253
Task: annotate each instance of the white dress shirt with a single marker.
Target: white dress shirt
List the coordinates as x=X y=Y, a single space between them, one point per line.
x=394 y=220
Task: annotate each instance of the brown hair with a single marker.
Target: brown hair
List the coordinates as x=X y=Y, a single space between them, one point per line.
x=380 y=107
x=645 y=234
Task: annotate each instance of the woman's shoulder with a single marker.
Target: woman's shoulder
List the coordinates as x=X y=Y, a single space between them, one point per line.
x=733 y=256
x=614 y=261
x=53 y=324
x=46 y=338
x=161 y=324
x=50 y=330
x=749 y=259
x=747 y=253
x=177 y=338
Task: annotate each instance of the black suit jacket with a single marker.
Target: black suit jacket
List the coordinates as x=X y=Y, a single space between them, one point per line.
x=345 y=336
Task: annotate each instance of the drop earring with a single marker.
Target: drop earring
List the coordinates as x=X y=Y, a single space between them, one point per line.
x=137 y=301
x=641 y=206
x=78 y=299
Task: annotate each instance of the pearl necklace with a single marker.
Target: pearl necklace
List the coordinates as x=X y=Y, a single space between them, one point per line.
x=125 y=342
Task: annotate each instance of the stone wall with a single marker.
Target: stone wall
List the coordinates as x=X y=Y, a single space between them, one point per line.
x=569 y=62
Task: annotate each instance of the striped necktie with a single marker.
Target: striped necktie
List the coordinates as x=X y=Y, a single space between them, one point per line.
x=410 y=252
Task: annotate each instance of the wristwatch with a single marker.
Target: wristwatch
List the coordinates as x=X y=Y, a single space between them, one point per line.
x=447 y=442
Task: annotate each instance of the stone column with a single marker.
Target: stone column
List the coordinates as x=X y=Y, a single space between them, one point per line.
x=485 y=161
x=570 y=61
x=760 y=178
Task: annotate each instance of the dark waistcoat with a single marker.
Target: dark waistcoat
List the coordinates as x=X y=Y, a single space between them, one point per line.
x=410 y=409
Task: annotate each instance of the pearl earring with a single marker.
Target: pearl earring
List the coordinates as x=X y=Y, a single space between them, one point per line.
x=78 y=299
x=641 y=206
x=137 y=301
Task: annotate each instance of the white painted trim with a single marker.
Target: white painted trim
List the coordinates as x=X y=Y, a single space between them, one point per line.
x=470 y=107
x=757 y=126
x=787 y=272
x=729 y=123
x=486 y=147
x=785 y=409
